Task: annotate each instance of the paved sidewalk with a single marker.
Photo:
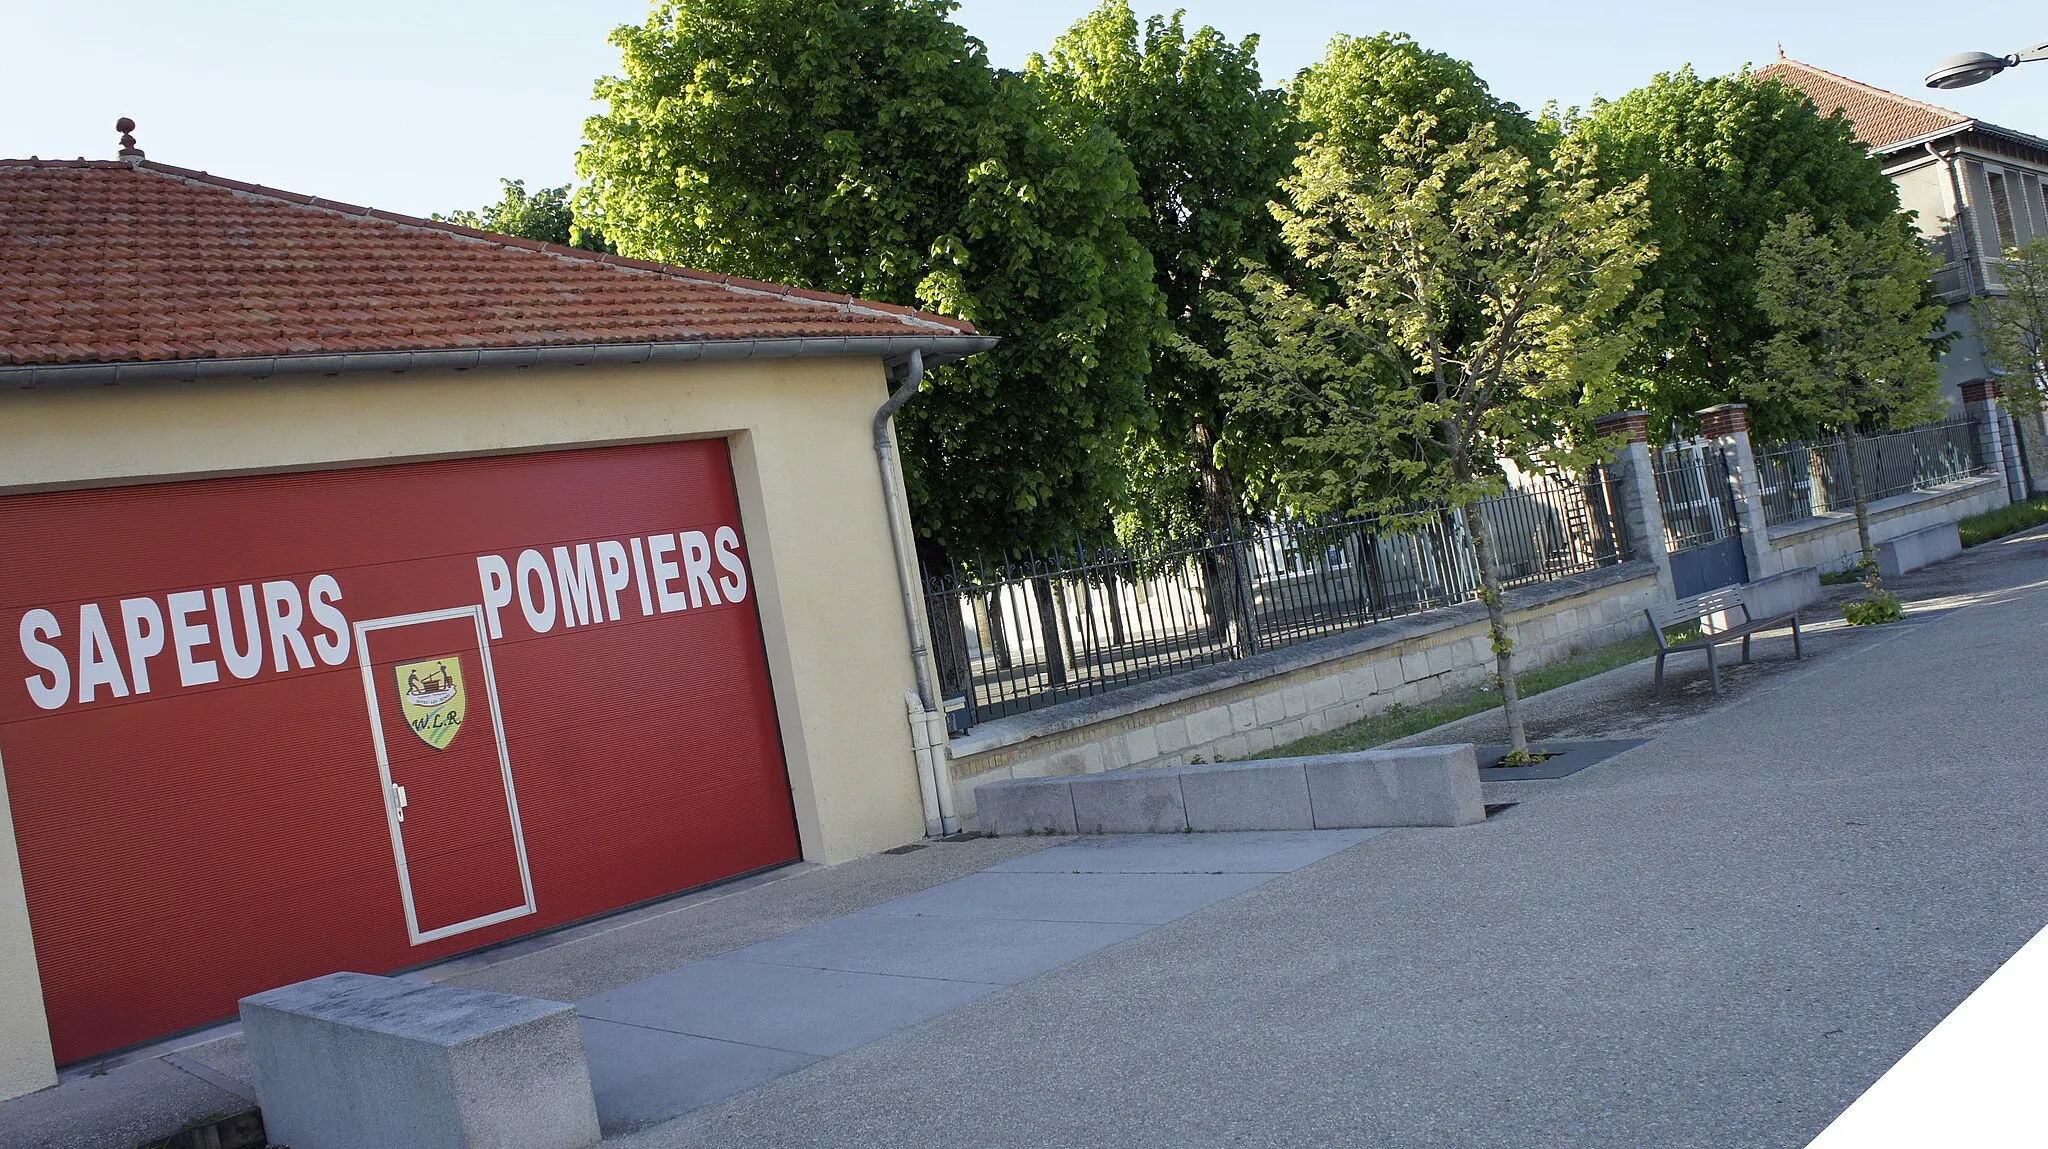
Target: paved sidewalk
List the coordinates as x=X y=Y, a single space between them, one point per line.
x=1718 y=939
x=152 y=1093
x=669 y=1043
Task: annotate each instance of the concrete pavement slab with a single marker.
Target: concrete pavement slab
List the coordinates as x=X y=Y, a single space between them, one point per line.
x=782 y=1007
x=643 y=1076
x=616 y=951
x=955 y=949
x=1140 y=898
x=1254 y=852
x=131 y=1105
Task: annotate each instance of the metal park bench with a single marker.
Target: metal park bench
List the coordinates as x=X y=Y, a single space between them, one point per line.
x=1714 y=613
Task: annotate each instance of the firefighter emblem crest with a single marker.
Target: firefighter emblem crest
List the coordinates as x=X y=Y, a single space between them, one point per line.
x=430 y=698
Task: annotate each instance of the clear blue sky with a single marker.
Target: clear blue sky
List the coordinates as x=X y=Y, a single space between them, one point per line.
x=420 y=106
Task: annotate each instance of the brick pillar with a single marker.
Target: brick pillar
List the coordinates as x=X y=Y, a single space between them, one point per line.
x=1995 y=446
x=1641 y=516
x=1727 y=425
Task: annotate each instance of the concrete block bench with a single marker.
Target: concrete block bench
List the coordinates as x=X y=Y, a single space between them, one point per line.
x=1916 y=549
x=350 y=1061
x=1787 y=592
x=1422 y=786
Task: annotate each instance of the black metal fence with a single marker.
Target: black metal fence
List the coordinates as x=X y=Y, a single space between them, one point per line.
x=1025 y=633
x=1801 y=480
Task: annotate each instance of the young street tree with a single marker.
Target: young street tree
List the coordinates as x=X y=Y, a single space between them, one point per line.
x=867 y=147
x=1854 y=342
x=1473 y=294
x=2014 y=327
x=1726 y=158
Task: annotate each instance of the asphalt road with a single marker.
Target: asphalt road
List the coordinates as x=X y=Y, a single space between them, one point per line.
x=1718 y=939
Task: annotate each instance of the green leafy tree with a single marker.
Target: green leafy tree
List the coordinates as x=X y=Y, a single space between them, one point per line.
x=867 y=147
x=1366 y=86
x=2014 y=327
x=1467 y=319
x=1361 y=92
x=1727 y=158
x=1209 y=144
x=543 y=215
x=1853 y=343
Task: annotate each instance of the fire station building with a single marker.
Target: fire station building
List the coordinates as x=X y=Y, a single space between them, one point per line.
x=373 y=590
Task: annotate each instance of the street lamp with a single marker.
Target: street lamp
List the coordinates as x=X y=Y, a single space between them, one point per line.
x=1966 y=68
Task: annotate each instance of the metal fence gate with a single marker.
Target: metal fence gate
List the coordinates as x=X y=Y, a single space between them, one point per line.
x=1697 y=494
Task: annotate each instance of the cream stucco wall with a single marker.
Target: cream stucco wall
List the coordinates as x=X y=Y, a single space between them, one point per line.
x=810 y=497
x=24 y=1033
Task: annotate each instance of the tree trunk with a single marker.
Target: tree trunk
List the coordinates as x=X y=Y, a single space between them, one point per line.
x=1372 y=580
x=1497 y=628
x=1113 y=587
x=1052 y=649
x=949 y=628
x=1090 y=660
x=1868 y=566
x=999 y=630
x=1228 y=585
x=1066 y=628
x=1496 y=607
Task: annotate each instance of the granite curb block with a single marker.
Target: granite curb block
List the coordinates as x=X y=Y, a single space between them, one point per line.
x=1129 y=802
x=1269 y=795
x=1416 y=786
x=1786 y=592
x=1916 y=549
x=352 y=1061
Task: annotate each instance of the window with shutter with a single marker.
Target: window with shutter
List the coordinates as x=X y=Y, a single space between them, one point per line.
x=2001 y=211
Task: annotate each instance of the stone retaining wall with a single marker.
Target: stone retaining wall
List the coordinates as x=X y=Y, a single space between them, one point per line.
x=1242 y=708
x=1828 y=542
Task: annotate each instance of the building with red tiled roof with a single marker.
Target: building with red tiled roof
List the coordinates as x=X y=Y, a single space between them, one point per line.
x=107 y=264
x=1882 y=119
x=430 y=587
x=1979 y=189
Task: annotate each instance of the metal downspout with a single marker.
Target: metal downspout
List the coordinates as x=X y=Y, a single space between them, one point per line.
x=1955 y=183
x=937 y=790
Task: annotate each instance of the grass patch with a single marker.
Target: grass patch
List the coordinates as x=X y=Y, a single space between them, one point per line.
x=1839 y=578
x=1398 y=721
x=2006 y=520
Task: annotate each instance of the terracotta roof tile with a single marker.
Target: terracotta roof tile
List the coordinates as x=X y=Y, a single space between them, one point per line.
x=1881 y=118
x=104 y=262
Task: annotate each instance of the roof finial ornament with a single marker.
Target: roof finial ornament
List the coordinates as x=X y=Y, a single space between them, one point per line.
x=129 y=151
x=1781 y=49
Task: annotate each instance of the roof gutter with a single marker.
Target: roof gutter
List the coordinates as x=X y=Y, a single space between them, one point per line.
x=1925 y=139
x=1967 y=126
x=934 y=349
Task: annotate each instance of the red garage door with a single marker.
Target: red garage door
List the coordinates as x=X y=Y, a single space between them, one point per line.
x=261 y=729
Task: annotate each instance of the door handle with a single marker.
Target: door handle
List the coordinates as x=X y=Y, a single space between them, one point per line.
x=398 y=801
